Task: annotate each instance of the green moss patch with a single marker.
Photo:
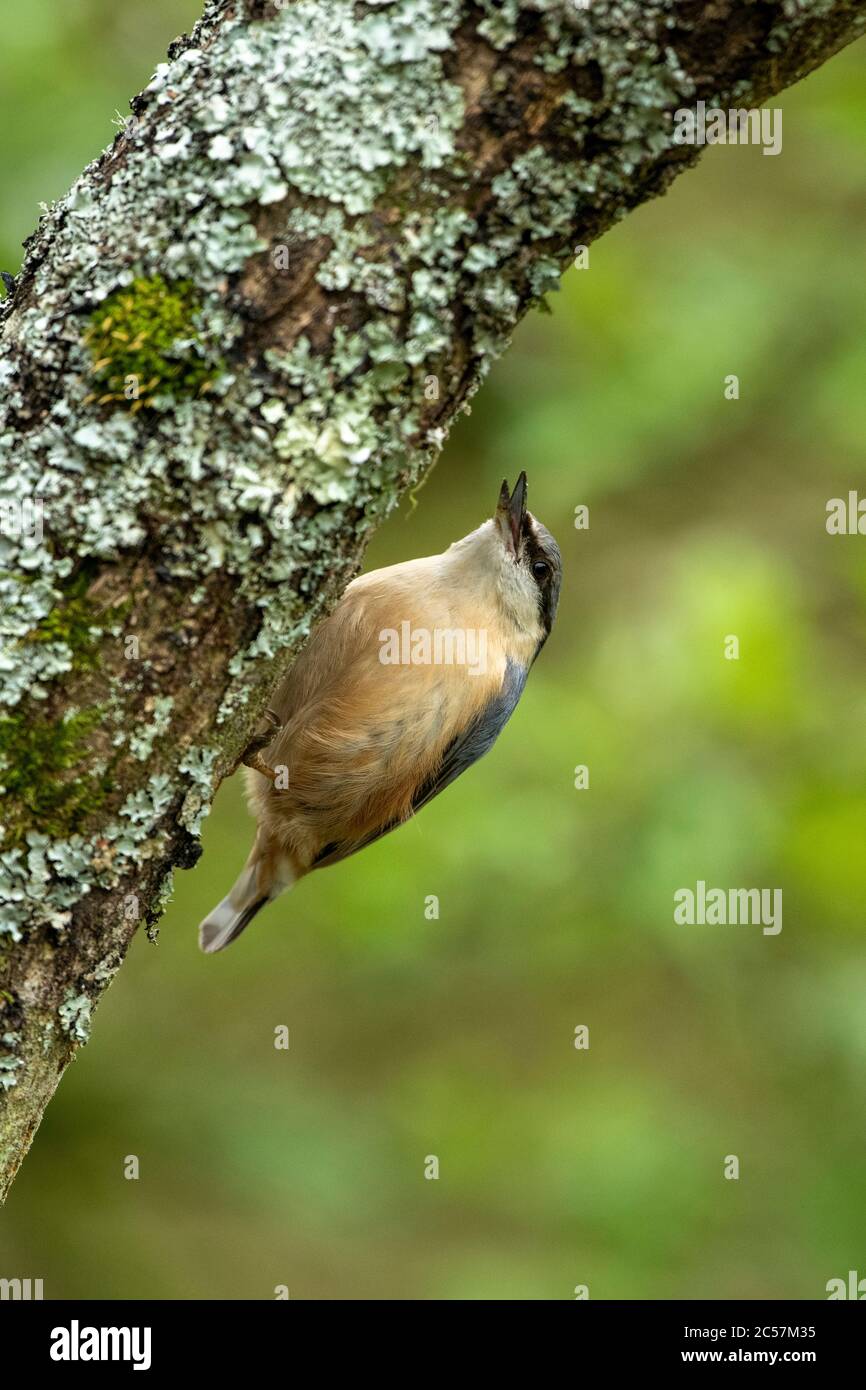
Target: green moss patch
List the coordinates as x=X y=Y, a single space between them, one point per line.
x=75 y=622
x=36 y=758
x=145 y=343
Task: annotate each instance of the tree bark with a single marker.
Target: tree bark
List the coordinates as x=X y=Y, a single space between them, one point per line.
x=232 y=346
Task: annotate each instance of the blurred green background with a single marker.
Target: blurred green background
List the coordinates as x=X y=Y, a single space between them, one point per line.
x=454 y=1037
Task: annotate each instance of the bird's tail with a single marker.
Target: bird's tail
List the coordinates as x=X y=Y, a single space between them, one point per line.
x=266 y=874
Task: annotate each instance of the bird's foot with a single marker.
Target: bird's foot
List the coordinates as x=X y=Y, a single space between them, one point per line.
x=252 y=754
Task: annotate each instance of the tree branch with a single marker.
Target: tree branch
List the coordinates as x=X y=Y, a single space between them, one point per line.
x=231 y=348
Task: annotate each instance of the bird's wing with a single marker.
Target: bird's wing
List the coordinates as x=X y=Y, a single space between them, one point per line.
x=478 y=738
x=470 y=745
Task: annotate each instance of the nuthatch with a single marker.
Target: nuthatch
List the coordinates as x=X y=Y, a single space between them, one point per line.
x=403 y=687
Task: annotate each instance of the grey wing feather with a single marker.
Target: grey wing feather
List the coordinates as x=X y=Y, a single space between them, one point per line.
x=476 y=740
x=478 y=737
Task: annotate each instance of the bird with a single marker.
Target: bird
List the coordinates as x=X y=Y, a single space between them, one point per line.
x=407 y=682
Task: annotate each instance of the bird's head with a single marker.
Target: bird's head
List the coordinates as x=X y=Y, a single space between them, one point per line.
x=513 y=560
x=531 y=562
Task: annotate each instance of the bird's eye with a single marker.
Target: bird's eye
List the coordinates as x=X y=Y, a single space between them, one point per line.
x=540 y=569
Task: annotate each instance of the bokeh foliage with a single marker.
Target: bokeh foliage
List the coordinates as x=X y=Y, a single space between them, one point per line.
x=412 y=1037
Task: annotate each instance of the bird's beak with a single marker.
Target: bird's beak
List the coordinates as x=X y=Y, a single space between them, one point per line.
x=511 y=511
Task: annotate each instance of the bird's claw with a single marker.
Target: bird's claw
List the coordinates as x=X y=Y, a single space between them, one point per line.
x=252 y=754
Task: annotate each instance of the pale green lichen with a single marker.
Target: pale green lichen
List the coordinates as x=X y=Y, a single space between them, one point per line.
x=143 y=738
x=198 y=765
x=44 y=880
x=9 y=1063
x=74 y=1015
